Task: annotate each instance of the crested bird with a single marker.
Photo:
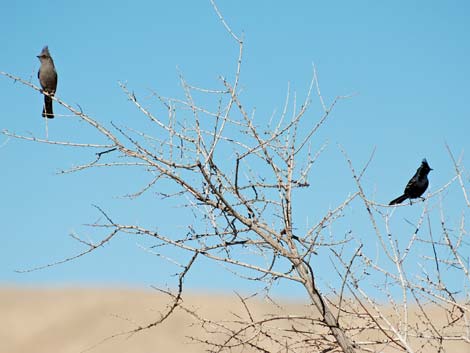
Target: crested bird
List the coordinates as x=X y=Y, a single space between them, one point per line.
x=417 y=184
x=48 y=79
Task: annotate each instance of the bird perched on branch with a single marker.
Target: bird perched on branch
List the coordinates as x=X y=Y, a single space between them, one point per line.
x=48 y=80
x=417 y=185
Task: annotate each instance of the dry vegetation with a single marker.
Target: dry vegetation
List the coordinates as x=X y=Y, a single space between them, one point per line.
x=76 y=319
x=237 y=176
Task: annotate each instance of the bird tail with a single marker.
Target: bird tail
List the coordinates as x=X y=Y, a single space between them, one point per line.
x=398 y=200
x=47 y=108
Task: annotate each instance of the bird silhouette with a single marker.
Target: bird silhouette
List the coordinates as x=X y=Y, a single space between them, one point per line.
x=417 y=184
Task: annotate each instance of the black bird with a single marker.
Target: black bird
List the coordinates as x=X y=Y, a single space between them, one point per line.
x=48 y=80
x=417 y=185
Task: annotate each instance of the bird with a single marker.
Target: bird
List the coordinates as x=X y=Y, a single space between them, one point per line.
x=417 y=184
x=48 y=79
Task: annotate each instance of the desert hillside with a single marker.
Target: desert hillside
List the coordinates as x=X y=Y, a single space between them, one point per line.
x=76 y=320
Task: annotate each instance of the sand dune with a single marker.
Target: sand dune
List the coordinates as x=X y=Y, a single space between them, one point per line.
x=74 y=320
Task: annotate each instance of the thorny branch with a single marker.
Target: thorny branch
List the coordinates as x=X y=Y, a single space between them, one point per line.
x=238 y=177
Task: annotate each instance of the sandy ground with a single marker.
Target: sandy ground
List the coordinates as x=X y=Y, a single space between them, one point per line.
x=75 y=320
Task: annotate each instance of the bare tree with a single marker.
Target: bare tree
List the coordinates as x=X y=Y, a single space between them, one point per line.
x=238 y=176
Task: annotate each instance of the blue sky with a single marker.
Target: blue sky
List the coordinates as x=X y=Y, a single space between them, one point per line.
x=405 y=62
